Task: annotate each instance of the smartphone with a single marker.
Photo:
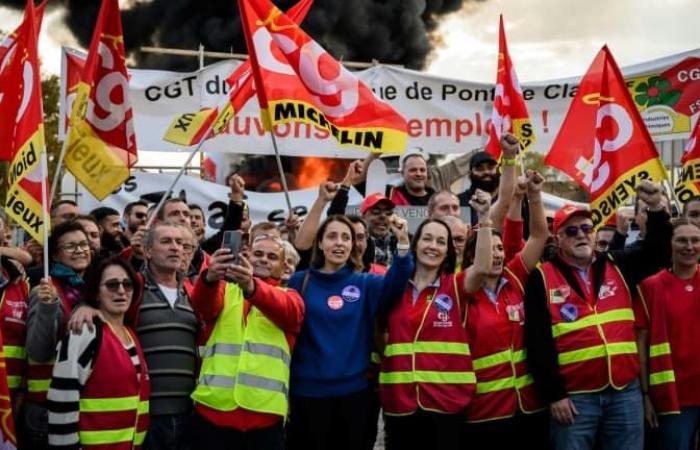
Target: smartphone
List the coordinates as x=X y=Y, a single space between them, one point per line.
x=232 y=241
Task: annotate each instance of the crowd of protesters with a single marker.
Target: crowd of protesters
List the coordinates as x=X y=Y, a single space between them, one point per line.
x=498 y=329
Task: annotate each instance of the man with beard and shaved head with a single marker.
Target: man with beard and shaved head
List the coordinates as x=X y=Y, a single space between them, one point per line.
x=135 y=215
x=484 y=175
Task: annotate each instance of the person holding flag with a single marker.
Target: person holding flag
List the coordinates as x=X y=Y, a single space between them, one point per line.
x=579 y=330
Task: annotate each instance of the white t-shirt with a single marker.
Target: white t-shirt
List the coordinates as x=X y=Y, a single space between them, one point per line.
x=170 y=294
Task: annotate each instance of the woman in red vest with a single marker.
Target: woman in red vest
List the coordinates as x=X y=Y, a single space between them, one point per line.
x=506 y=407
x=667 y=337
x=99 y=390
x=426 y=378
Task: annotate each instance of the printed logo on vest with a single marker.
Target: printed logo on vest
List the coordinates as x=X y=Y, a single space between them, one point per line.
x=608 y=289
x=559 y=295
x=350 y=293
x=568 y=312
x=444 y=302
x=335 y=302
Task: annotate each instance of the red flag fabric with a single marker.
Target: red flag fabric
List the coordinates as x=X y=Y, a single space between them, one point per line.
x=298 y=81
x=101 y=145
x=191 y=128
x=688 y=183
x=603 y=143
x=509 y=109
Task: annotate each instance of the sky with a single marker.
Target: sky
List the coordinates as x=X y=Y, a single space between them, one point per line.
x=546 y=38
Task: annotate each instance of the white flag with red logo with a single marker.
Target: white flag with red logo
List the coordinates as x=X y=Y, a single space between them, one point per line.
x=509 y=110
x=298 y=81
x=603 y=143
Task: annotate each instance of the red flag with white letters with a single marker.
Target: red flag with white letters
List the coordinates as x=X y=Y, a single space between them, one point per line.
x=603 y=143
x=509 y=109
x=298 y=81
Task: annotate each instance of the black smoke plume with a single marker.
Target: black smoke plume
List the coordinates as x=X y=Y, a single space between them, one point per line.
x=389 y=31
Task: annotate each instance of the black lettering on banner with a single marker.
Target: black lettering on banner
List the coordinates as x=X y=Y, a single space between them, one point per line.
x=217 y=213
x=617 y=196
x=184 y=122
x=280 y=215
x=153 y=93
x=22 y=213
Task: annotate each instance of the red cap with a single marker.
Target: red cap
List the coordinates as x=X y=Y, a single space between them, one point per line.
x=566 y=212
x=372 y=200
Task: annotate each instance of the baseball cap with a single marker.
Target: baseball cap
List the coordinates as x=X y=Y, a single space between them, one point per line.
x=413 y=151
x=481 y=157
x=373 y=200
x=566 y=212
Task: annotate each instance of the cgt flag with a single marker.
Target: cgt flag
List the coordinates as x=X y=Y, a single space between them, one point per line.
x=298 y=81
x=603 y=143
x=23 y=111
x=688 y=184
x=101 y=144
x=191 y=128
x=509 y=109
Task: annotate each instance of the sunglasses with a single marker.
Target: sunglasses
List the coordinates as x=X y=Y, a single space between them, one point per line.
x=140 y=215
x=572 y=230
x=378 y=211
x=113 y=285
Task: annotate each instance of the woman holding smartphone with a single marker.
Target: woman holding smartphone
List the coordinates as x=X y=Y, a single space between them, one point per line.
x=329 y=387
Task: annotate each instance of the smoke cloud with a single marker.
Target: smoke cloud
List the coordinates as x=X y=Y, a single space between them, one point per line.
x=390 y=31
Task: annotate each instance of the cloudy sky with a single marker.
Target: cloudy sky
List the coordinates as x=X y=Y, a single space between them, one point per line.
x=559 y=38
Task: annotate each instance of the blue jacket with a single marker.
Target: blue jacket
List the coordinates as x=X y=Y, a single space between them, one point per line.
x=332 y=352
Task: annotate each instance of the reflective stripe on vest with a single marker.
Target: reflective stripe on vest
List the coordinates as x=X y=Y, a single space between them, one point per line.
x=597 y=351
x=14 y=351
x=495 y=359
x=244 y=365
x=664 y=376
x=484 y=387
x=506 y=356
x=615 y=315
x=453 y=348
x=107 y=437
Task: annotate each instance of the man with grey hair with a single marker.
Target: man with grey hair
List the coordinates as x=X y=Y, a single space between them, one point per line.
x=443 y=203
x=167 y=328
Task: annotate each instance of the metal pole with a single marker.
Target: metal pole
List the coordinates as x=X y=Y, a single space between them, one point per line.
x=201 y=155
x=44 y=211
x=283 y=178
x=59 y=166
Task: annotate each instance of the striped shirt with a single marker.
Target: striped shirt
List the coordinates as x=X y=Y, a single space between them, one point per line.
x=74 y=364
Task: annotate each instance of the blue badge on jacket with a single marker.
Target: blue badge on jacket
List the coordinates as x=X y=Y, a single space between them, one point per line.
x=568 y=312
x=444 y=302
x=350 y=293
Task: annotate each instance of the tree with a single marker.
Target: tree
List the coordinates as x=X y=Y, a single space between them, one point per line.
x=556 y=183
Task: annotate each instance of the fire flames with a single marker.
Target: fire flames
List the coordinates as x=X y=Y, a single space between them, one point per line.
x=311 y=172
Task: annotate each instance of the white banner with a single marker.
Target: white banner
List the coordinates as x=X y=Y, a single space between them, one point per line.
x=444 y=115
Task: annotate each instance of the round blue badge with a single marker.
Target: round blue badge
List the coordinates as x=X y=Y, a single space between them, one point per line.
x=350 y=293
x=444 y=302
x=568 y=312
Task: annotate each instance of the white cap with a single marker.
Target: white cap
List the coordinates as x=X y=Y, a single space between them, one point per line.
x=413 y=151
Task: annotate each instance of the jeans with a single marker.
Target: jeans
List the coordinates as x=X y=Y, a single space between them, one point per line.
x=168 y=432
x=615 y=417
x=677 y=431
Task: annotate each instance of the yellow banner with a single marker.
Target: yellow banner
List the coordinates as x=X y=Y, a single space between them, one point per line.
x=688 y=180
x=623 y=189
x=23 y=206
x=373 y=139
x=185 y=127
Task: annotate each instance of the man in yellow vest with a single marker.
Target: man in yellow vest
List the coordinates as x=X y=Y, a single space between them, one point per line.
x=250 y=325
x=579 y=330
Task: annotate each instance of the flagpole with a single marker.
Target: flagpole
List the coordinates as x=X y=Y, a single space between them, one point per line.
x=59 y=166
x=283 y=178
x=44 y=208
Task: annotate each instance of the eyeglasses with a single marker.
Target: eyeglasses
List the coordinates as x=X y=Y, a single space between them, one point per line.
x=378 y=211
x=73 y=247
x=572 y=230
x=113 y=285
x=140 y=215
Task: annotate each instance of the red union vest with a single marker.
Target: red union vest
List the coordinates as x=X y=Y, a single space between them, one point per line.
x=429 y=368
x=662 y=377
x=39 y=374
x=13 y=309
x=113 y=403
x=594 y=337
x=503 y=384
x=396 y=196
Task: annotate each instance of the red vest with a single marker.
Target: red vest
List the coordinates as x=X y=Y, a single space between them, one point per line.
x=429 y=368
x=13 y=309
x=114 y=414
x=594 y=336
x=39 y=374
x=662 y=377
x=503 y=384
x=398 y=198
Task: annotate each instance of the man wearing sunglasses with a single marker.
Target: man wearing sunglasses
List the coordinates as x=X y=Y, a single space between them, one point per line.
x=579 y=329
x=250 y=326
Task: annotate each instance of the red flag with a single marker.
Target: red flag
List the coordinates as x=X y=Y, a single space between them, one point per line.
x=101 y=146
x=603 y=143
x=298 y=81
x=688 y=184
x=190 y=128
x=509 y=109
x=8 y=107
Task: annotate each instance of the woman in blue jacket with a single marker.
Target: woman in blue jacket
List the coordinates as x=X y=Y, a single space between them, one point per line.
x=329 y=388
